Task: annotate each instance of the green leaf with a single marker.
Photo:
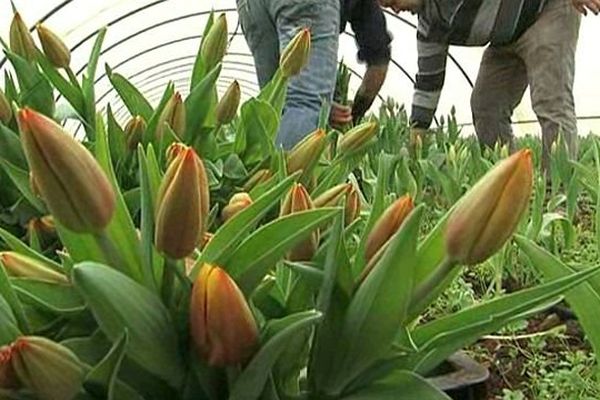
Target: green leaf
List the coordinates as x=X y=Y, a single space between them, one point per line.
x=116 y=137
x=135 y=102
x=199 y=69
x=92 y=64
x=399 y=385
x=8 y=323
x=252 y=380
x=118 y=302
x=379 y=305
x=70 y=92
x=56 y=298
x=10 y=297
x=197 y=104
x=100 y=381
x=10 y=147
x=253 y=259
x=255 y=137
x=21 y=180
x=153 y=122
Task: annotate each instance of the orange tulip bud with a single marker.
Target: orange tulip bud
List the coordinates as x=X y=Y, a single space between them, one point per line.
x=259 y=177
x=21 y=41
x=21 y=266
x=134 y=131
x=43 y=227
x=70 y=180
x=172 y=115
x=8 y=377
x=357 y=138
x=222 y=326
x=305 y=155
x=182 y=206
x=238 y=202
x=5 y=109
x=214 y=45
x=54 y=48
x=488 y=214
x=352 y=211
x=298 y=200
x=296 y=54
x=332 y=197
x=228 y=105
x=387 y=225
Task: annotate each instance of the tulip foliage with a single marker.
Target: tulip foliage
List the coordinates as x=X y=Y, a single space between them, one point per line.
x=179 y=254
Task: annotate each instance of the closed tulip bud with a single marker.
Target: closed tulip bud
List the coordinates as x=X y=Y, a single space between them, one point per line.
x=182 y=206
x=70 y=180
x=387 y=225
x=238 y=202
x=33 y=185
x=332 y=197
x=452 y=155
x=54 y=48
x=214 y=45
x=174 y=150
x=5 y=109
x=298 y=200
x=134 y=131
x=172 y=115
x=8 y=377
x=357 y=138
x=352 y=210
x=259 y=177
x=487 y=215
x=20 y=266
x=50 y=370
x=305 y=155
x=43 y=225
x=296 y=54
x=227 y=107
x=223 y=328
x=504 y=151
x=21 y=41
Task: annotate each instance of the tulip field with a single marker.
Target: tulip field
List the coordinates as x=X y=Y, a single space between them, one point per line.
x=179 y=254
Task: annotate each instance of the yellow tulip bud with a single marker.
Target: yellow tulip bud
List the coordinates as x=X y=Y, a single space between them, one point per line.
x=182 y=206
x=5 y=109
x=227 y=107
x=54 y=48
x=21 y=266
x=222 y=326
x=172 y=115
x=259 y=177
x=352 y=211
x=70 y=180
x=21 y=41
x=357 y=138
x=306 y=154
x=298 y=200
x=8 y=377
x=487 y=215
x=238 y=202
x=332 y=197
x=214 y=45
x=134 y=131
x=296 y=54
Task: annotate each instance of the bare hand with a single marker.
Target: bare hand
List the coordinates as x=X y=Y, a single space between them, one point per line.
x=340 y=115
x=584 y=5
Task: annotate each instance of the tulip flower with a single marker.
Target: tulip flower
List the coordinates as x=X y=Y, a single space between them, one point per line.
x=54 y=48
x=259 y=177
x=296 y=54
x=214 y=45
x=43 y=228
x=5 y=109
x=223 y=328
x=50 y=370
x=298 y=200
x=69 y=179
x=172 y=115
x=182 y=206
x=486 y=217
x=134 y=131
x=21 y=41
x=332 y=197
x=227 y=107
x=21 y=266
x=357 y=138
x=305 y=155
x=8 y=377
x=387 y=225
x=238 y=202
x=352 y=209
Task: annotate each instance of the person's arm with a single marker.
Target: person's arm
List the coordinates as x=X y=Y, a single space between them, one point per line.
x=429 y=81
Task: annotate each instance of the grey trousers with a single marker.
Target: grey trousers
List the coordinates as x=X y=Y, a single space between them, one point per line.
x=543 y=58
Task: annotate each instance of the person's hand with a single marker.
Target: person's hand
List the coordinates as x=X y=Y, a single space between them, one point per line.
x=372 y=81
x=584 y=5
x=340 y=115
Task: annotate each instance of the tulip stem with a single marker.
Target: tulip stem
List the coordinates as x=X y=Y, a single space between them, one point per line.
x=168 y=281
x=72 y=77
x=110 y=251
x=425 y=289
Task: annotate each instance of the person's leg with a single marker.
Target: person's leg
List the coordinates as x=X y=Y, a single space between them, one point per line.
x=315 y=84
x=261 y=36
x=548 y=49
x=501 y=82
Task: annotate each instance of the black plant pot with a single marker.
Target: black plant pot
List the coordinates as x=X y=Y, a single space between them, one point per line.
x=461 y=377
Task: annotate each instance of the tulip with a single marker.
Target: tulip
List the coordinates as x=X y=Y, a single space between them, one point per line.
x=259 y=177
x=8 y=377
x=5 y=109
x=214 y=45
x=182 y=206
x=50 y=370
x=134 y=131
x=227 y=107
x=54 y=48
x=352 y=209
x=387 y=225
x=223 y=328
x=69 y=179
x=357 y=138
x=174 y=150
x=238 y=202
x=43 y=228
x=296 y=54
x=173 y=115
x=486 y=217
x=298 y=200
x=332 y=197
x=305 y=155
x=21 y=41
x=21 y=266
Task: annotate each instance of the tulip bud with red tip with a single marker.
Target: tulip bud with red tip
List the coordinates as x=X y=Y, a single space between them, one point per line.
x=21 y=41
x=222 y=326
x=298 y=200
x=238 y=202
x=296 y=54
x=54 y=48
x=487 y=216
x=134 y=131
x=332 y=197
x=8 y=377
x=306 y=154
x=259 y=177
x=71 y=182
x=20 y=266
x=352 y=210
x=356 y=139
x=228 y=105
x=173 y=115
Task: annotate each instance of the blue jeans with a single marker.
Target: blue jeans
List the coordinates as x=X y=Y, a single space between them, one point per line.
x=268 y=26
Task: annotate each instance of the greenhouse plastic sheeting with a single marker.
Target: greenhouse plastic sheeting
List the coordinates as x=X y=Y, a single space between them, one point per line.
x=155 y=41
